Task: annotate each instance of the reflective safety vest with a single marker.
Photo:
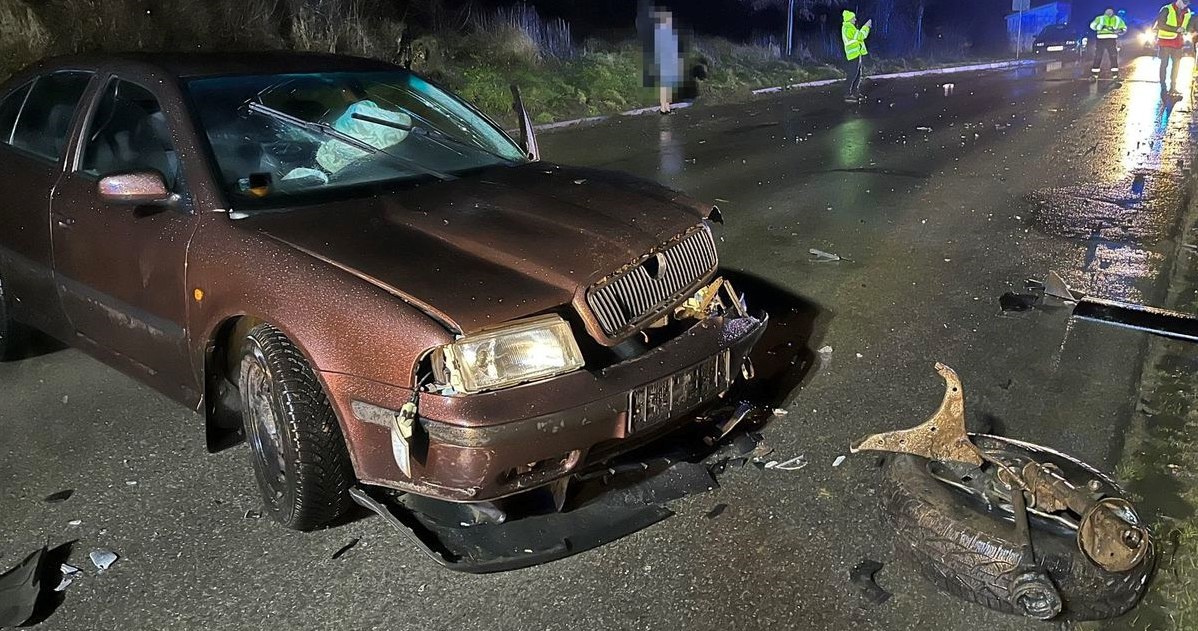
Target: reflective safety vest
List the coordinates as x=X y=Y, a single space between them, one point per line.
x=854 y=40
x=1108 y=27
x=1172 y=28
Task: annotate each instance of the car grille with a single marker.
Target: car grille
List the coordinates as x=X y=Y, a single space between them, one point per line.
x=645 y=291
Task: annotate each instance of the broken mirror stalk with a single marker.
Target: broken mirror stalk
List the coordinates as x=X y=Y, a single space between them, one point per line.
x=1162 y=322
x=1034 y=494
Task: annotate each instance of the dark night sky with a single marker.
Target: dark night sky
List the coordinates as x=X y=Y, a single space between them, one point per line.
x=982 y=20
x=734 y=18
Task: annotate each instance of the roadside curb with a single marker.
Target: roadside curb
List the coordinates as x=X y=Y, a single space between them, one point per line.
x=905 y=75
x=797 y=86
x=600 y=119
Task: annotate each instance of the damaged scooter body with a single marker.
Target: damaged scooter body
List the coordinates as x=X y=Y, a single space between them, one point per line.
x=1107 y=529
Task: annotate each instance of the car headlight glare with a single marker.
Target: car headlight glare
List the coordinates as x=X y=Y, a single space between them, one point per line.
x=530 y=350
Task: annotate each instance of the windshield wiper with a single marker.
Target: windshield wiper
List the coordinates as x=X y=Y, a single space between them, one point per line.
x=428 y=132
x=332 y=132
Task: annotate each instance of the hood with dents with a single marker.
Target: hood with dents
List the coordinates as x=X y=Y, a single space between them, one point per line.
x=494 y=246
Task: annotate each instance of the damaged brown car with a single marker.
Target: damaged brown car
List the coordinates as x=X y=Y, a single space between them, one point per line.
x=358 y=272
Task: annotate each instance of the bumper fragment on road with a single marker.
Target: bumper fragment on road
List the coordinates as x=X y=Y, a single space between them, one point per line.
x=625 y=495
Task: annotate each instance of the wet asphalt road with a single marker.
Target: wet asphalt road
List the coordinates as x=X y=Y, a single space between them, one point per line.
x=1013 y=174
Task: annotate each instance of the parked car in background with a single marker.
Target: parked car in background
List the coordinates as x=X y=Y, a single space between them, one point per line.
x=1061 y=40
x=359 y=269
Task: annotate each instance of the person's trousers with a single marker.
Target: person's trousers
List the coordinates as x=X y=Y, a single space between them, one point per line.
x=1170 y=66
x=1110 y=48
x=853 y=72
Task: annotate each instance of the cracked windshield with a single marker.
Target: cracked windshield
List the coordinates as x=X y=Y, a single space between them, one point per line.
x=294 y=134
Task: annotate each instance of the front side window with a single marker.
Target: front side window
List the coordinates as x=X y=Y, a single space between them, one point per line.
x=43 y=122
x=275 y=137
x=128 y=132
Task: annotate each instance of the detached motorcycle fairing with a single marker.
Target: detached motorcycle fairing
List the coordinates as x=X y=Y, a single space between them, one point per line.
x=1011 y=525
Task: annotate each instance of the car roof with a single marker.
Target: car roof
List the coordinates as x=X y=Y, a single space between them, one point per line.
x=186 y=65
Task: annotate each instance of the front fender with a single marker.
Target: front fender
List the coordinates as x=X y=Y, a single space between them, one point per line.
x=342 y=324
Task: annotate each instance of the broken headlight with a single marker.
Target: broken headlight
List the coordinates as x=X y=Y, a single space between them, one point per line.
x=525 y=351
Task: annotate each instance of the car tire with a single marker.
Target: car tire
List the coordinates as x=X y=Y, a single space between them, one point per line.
x=298 y=452
x=969 y=552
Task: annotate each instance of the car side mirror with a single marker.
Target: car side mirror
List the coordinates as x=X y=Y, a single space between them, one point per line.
x=528 y=136
x=137 y=188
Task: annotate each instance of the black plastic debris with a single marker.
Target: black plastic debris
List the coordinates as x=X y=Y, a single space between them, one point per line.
x=863 y=577
x=345 y=548
x=1013 y=302
x=717 y=510
x=19 y=590
x=59 y=497
x=626 y=496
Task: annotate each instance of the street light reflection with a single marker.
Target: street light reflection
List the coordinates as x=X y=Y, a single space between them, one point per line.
x=852 y=143
x=1147 y=113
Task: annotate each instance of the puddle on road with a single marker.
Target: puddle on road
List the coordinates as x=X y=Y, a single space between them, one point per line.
x=1135 y=211
x=1124 y=227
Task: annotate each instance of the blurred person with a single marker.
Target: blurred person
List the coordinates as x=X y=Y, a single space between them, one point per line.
x=1172 y=23
x=1108 y=28
x=855 y=53
x=663 y=55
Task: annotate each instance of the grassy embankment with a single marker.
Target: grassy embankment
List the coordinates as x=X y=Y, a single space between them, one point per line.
x=560 y=78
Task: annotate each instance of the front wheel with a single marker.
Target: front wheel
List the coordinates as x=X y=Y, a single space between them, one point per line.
x=298 y=451
x=957 y=530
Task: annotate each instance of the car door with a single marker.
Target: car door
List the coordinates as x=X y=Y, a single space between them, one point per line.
x=120 y=270
x=36 y=120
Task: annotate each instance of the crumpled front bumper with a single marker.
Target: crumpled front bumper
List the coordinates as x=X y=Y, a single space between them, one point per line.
x=471 y=448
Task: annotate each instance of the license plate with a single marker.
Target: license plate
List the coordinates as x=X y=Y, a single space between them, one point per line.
x=1055 y=49
x=681 y=392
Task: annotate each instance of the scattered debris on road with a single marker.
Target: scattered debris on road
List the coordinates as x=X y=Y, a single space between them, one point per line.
x=825 y=257
x=923 y=129
x=59 y=497
x=839 y=460
x=345 y=548
x=794 y=464
x=863 y=576
x=253 y=514
x=103 y=559
x=19 y=590
x=68 y=576
x=716 y=511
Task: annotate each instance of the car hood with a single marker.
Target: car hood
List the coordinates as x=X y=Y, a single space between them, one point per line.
x=495 y=246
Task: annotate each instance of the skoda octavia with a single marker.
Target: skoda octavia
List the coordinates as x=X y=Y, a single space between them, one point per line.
x=356 y=272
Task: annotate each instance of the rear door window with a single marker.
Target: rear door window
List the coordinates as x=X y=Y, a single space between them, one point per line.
x=10 y=107
x=43 y=123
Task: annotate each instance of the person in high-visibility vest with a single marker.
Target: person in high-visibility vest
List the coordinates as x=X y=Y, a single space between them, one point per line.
x=855 y=53
x=1108 y=27
x=1172 y=23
